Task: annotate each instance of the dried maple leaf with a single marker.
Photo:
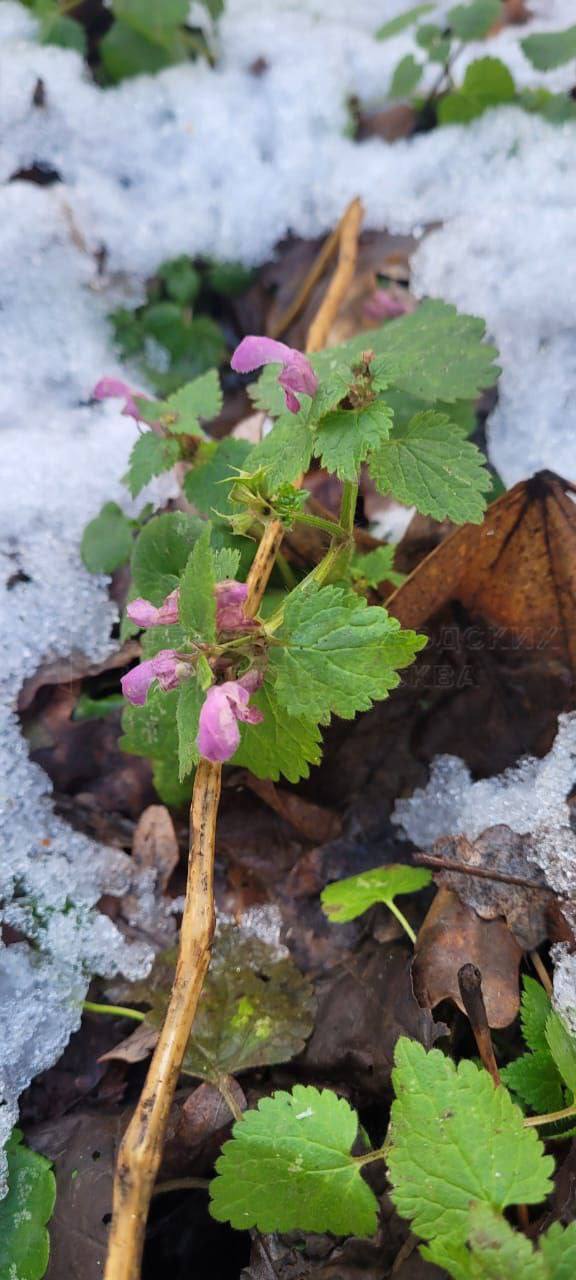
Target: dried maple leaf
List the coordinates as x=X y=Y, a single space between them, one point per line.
x=516 y=572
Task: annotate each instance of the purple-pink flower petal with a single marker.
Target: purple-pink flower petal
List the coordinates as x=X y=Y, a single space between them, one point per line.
x=218 y=731
x=384 y=305
x=115 y=388
x=230 y=600
x=145 y=614
x=162 y=667
x=297 y=374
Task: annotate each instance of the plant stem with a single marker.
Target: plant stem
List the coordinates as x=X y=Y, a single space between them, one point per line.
x=531 y=1122
x=371 y=1156
x=224 y=1084
x=141 y=1147
x=348 y=505
x=117 y=1010
x=317 y=522
x=401 y=918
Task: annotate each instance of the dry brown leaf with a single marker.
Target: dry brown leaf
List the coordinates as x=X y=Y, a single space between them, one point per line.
x=516 y=572
x=135 y=1048
x=312 y=821
x=453 y=935
x=75 y=667
x=500 y=850
x=155 y=844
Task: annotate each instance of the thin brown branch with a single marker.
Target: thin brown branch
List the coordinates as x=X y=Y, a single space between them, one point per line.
x=483 y=873
x=141 y=1148
x=310 y=279
x=542 y=972
x=140 y=1151
x=342 y=278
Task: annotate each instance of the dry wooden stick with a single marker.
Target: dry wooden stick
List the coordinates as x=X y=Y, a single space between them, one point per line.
x=310 y=279
x=140 y=1151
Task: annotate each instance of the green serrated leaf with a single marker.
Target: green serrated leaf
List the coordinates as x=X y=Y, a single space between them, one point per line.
x=280 y=744
x=534 y=1010
x=160 y=554
x=549 y=49
x=201 y=398
x=431 y=465
x=181 y=280
x=150 y=456
x=205 y=484
x=375 y=567
x=495 y=1251
x=406 y=76
x=125 y=52
x=473 y=21
x=487 y=83
x=24 y=1212
x=197 y=596
x=558 y=1248
x=289 y=1166
x=536 y=1080
x=435 y=353
x=191 y=697
x=226 y=564
x=345 y=437
x=455 y=1139
x=57 y=28
x=286 y=452
x=562 y=1046
x=346 y=899
x=107 y=540
x=403 y=20
x=336 y=654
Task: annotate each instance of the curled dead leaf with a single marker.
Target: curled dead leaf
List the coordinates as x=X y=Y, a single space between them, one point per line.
x=453 y=935
x=155 y=844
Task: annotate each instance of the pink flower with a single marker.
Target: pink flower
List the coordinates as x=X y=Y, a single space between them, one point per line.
x=163 y=668
x=230 y=600
x=145 y=614
x=297 y=372
x=111 y=388
x=384 y=305
x=224 y=706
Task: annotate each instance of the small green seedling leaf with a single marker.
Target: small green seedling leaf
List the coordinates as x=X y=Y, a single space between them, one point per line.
x=404 y=20
x=289 y=1166
x=473 y=21
x=226 y=563
x=286 y=452
x=345 y=437
x=88 y=708
x=336 y=654
x=534 y=1011
x=374 y=567
x=549 y=49
x=201 y=398
x=24 y=1212
x=150 y=456
x=161 y=553
x=456 y=1139
x=562 y=1046
x=431 y=465
x=406 y=76
x=346 y=899
x=495 y=1251
x=281 y=744
x=205 y=484
x=181 y=280
x=107 y=540
x=535 y=1078
x=197 y=598
x=487 y=83
x=191 y=697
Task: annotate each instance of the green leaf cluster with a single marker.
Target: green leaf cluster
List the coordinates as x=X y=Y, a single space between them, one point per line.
x=544 y=1079
x=494 y=1251
x=146 y=37
x=344 y=900
x=487 y=83
x=24 y=1213
x=422 y=457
